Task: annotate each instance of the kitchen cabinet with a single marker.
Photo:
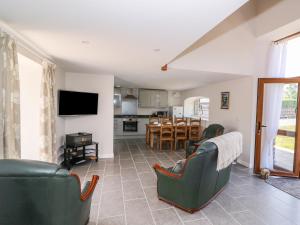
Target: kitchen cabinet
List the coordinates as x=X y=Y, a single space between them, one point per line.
x=118 y=126
x=163 y=99
x=153 y=98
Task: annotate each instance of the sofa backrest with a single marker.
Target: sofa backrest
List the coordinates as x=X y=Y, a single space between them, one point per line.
x=213 y=130
x=32 y=168
x=201 y=172
x=37 y=193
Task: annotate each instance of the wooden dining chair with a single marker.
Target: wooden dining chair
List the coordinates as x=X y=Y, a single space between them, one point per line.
x=150 y=130
x=166 y=135
x=181 y=131
x=166 y=120
x=195 y=130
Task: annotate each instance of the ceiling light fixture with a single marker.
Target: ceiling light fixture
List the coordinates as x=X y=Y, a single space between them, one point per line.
x=156 y=49
x=85 y=42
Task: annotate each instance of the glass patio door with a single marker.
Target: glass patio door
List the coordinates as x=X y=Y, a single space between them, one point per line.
x=277 y=125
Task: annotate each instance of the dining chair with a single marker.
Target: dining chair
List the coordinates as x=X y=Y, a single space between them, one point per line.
x=195 y=130
x=181 y=131
x=166 y=120
x=166 y=135
x=150 y=130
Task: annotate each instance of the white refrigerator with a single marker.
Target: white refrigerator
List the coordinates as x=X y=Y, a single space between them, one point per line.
x=176 y=111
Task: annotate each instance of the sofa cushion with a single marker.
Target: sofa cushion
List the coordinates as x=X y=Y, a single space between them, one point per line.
x=178 y=167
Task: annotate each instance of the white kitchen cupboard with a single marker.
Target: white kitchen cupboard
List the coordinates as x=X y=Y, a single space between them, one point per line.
x=153 y=98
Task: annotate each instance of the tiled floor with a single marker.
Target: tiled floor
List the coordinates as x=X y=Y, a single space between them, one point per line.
x=126 y=194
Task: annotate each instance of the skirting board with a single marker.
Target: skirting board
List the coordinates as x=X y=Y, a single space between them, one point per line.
x=243 y=163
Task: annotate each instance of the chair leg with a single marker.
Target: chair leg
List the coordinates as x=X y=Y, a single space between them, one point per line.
x=171 y=142
x=160 y=145
x=175 y=143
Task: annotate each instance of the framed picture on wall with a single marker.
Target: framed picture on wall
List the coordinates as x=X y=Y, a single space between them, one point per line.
x=225 y=100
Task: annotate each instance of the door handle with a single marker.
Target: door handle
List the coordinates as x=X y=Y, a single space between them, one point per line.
x=259 y=126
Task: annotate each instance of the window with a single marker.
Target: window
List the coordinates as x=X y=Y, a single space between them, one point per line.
x=292 y=58
x=30 y=74
x=201 y=108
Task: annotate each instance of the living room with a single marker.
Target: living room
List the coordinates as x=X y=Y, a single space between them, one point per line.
x=220 y=63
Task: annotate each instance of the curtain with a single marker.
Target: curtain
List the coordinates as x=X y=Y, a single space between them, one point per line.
x=272 y=103
x=10 y=99
x=48 y=136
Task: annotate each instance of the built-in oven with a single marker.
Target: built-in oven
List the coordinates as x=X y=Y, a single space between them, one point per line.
x=130 y=125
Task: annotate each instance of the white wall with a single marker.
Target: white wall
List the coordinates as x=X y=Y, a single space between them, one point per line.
x=100 y=125
x=30 y=87
x=241 y=114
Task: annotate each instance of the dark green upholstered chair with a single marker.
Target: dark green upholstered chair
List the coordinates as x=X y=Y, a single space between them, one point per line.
x=40 y=193
x=196 y=184
x=211 y=131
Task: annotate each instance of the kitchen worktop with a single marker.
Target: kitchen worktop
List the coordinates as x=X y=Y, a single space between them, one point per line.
x=131 y=116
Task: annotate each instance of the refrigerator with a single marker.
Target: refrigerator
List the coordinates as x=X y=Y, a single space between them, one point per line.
x=176 y=111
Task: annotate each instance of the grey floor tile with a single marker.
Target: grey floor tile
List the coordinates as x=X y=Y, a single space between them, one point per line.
x=111 y=204
x=166 y=217
x=100 y=165
x=199 y=222
x=129 y=174
x=133 y=190
x=154 y=202
x=185 y=216
x=112 y=169
x=125 y=155
x=263 y=210
x=114 y=160
x=94 y=214
x=90 y=174
x=116 y=220
x=246 y=199
x=138 y=212
x=142 y=167
x=126 y=163
x=229 y=203
x=147 y=179
x=138 y=158
x=217 y=215
x=247 y=218
x=112 y=183
x=96 y=194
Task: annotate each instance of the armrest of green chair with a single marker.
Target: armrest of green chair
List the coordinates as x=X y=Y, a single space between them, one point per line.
x=193 y=146
x=89 y=187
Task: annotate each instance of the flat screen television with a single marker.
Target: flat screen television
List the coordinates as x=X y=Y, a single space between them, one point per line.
x=73 y=103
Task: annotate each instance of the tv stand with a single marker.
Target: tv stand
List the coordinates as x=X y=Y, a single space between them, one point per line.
x=79 y=154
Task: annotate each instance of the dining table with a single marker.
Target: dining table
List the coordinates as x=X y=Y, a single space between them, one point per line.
x=153 y=129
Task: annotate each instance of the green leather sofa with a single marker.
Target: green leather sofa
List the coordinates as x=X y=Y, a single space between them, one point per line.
x=196 y=184
x=211 y=131
x=40 y=193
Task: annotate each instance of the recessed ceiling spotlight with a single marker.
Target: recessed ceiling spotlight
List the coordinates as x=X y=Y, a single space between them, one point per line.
x=156 y=49
x=85 y=42
x=118 y=86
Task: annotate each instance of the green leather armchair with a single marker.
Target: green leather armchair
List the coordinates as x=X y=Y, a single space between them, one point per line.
x=211 y=131
x=196 y=184
x=40 y=193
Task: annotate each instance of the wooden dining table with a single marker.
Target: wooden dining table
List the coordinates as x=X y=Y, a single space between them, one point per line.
x=152 y=129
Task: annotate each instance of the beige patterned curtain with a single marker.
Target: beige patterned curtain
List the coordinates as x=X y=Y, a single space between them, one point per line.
x=10 y=99
x=48 y=137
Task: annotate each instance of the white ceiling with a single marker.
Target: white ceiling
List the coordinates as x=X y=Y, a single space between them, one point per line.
x=122 y=35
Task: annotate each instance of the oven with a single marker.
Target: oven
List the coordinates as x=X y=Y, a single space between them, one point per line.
x=130 y=125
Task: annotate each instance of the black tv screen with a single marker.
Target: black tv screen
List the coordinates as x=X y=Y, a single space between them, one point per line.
x=77 y=103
